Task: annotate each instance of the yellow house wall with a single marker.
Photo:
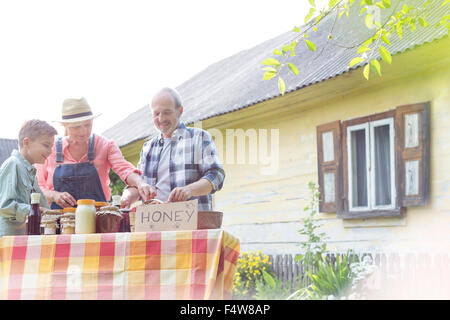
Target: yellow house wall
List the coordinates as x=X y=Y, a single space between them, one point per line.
x=265 y=211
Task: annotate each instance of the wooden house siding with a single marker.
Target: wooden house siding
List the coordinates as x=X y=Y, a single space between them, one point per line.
x=265 y=211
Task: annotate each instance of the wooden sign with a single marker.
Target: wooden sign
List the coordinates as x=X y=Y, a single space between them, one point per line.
x=167 y=216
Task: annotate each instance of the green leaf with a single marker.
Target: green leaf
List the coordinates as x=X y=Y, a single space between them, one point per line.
x=310 y=14
x=400 y=31
x=380 y=5
x=281 y=86
x=376 y=66
x=385 y=39
x=355 y=61
x=332 y=3
x=269 y=75
x=311 y=2
x=369 y=21
x=422 y=22
x=311 y=46
x=412 y=25
x=385 y=55
x=286 y=48
x=277 y=52
x=271 y=62
x=405 y=8
x=366 y=71
x=445 y=3
x=271 y=69
x=363 y=10
x=368 y=42
x=362 y=49
x=293 y=68
x=269 y=279
x=387 y=3
x=296 y=29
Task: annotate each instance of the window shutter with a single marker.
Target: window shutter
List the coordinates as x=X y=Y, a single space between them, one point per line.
x=412 y=126
x=329 y=159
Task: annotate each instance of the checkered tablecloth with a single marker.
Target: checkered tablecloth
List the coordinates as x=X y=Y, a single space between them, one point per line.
x=197 y=264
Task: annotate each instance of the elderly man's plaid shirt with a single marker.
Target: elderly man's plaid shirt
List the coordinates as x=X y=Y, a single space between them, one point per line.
x=193 y=156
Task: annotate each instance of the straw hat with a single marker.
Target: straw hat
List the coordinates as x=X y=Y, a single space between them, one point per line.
x=75 y=110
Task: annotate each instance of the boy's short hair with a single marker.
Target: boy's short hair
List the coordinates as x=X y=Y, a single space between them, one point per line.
x=34 y=129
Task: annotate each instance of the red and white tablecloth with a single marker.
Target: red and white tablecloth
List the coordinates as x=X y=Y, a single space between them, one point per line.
x=198 y=264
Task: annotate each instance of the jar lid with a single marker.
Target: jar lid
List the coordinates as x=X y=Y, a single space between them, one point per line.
x=68 y=224
x=85 y=201
x=68 y=216
x=110 y=208
x=52 y=212
x=48 y=224
x=100 y=203
x=69 y=210
x=66 y=220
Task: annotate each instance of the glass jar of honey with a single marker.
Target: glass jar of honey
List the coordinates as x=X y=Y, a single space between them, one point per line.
x=85 y=216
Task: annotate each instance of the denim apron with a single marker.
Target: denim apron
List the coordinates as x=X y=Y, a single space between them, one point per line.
x=81 y=180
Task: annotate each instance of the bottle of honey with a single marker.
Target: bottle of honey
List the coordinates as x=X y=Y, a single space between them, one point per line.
x=34 y=217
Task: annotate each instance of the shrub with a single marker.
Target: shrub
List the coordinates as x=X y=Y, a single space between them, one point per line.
x=250 y=267
x=271 y=288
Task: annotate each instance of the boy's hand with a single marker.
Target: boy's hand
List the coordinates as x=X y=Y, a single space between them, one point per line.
x=64 y=199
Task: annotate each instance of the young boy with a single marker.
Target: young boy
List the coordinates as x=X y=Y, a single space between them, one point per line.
x=18 y=176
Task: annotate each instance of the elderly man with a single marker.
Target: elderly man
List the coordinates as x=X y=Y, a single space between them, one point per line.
x=180 y=163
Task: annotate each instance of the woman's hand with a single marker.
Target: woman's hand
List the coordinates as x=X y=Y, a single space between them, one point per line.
x=64 y=199
x=129 y=196
x=146 y=191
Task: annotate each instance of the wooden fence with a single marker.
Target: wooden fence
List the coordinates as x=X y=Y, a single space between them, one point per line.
x=398 y=276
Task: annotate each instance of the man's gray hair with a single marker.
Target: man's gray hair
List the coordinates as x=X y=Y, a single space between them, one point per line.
x=175 y=95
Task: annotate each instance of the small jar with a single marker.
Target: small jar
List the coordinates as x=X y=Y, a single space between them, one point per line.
x=71 y=210
x=68 y=227
x=85 y=216
x=68 y=222
x=108 y=220
x=50 y=222
x=49 y=227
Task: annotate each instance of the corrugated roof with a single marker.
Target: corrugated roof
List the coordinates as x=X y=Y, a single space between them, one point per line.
x=6 y=147
x=236 y=82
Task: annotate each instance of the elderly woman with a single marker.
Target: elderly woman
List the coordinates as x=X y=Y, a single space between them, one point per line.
x=79 y=165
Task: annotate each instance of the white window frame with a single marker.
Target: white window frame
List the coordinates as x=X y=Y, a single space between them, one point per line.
x=373 y=125
x=369 y=128
x=357 y=127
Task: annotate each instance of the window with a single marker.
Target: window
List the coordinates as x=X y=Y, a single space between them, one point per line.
x=371 y=165
x=375 y=165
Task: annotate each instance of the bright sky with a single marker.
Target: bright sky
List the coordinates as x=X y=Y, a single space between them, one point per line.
x=118 y=53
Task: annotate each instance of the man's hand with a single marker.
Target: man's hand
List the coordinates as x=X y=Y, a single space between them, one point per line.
x=64 y=199
x=180 y=194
